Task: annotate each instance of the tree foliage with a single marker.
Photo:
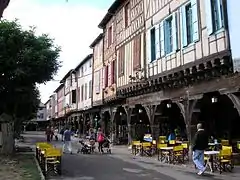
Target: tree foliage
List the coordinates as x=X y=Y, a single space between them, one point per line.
x=25 y=59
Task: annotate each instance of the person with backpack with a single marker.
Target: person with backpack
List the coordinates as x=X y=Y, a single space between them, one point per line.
x=100 y=140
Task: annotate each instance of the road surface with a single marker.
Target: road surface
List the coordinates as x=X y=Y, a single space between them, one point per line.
x=115 y=167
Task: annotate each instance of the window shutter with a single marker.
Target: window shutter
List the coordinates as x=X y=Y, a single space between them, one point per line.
x=136 y=52
x=112 y=72
x=122 y=59
x=208 y=16
x=119 y=59
x=162 y=42
x=103 y=76
x=194 y=4
x=112 y=34
x=138 y=63
x=183 y=26
x=106 y=38
x=106 y=77
x=174 y=31
x=96 y=81
x=220 y=14
x=157 y=41
x=148 y=45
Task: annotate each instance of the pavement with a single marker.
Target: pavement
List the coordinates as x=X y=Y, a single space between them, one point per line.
x=121 y=165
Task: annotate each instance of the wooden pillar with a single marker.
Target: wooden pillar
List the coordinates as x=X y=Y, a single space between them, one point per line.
x=128 y=111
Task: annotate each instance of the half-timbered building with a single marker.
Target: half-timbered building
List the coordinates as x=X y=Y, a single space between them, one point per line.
x=108 y=24
x=188 y=66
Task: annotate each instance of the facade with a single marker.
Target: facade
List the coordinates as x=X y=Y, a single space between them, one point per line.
x=53 y=106
x=108 y=24
x=97 y=77
x=84 y=85
x=48 y=110
x=60 y=101
x=161 y=65
x=70 y=85
x=42 y=113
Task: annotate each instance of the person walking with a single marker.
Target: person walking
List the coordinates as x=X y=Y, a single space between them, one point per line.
x=48 y=133
x=100 y=139
x=200 y=143
x=67 y=140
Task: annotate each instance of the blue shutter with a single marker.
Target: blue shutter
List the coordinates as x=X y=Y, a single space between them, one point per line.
x=183 y=26
x=148 y=45
x=194 y=4
x=157 y=41
x=219 y=4
x=162 y=45
x=208 y=16
x=174 y=31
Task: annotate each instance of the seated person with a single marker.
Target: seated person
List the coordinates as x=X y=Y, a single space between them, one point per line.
x=171 y=136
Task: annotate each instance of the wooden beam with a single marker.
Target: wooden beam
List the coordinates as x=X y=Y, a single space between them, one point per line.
x=228 y=84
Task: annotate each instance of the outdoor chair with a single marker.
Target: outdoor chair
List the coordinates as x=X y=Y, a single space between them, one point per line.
x=225 y=162
x=178 y=154
x=52 y=157
x=161 y=153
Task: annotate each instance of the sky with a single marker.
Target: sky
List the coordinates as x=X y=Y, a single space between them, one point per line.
x=72 y=24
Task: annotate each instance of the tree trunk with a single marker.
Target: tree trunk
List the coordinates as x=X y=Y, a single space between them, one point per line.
x=8 y=142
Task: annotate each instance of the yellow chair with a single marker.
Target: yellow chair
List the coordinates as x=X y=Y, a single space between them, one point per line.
x=136 y=145
x=225 y=159
x=185 y=150
x=52 y=160
x=40 y=148
x=162 y=139
x=163 y=153
x=172 y=142
x=178 y=154
x=224 y=142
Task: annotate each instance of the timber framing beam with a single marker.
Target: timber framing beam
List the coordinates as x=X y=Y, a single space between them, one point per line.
x=224 y=85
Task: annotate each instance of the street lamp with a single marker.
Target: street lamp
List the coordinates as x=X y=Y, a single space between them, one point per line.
x=140 y=111
x=169 y=105
x=120 y=113
x=214 y=100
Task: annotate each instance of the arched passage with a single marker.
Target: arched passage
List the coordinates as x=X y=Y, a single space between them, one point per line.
x=219 y=115
x=120 y=126
x=140 y=123
x=170 y=118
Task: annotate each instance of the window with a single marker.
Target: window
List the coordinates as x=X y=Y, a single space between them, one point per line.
x=96 y=81
x=74 y=96
x=90 y=63
x=127 y=15
x=85 y=93
x=152 y=37
x=81 y=74
x=121 y=60
x=217 y=14
x=90 y=89
x=110 y=33
x=189 y=22
x=137 y=52
x=168 y=35
x=82 y=89
x=41 y=115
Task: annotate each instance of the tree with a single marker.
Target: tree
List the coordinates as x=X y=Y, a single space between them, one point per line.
x=25 y=59
x=3 y=6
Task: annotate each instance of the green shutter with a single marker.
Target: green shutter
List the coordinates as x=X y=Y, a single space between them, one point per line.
x=162 y=43
x=148 y=45
x=157 y=41
x=183 y=26
x=194 y=4
x=219 y=4
x=208 y=16
x=174 y=31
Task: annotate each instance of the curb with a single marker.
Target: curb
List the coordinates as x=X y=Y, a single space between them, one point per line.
x=39 y=169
